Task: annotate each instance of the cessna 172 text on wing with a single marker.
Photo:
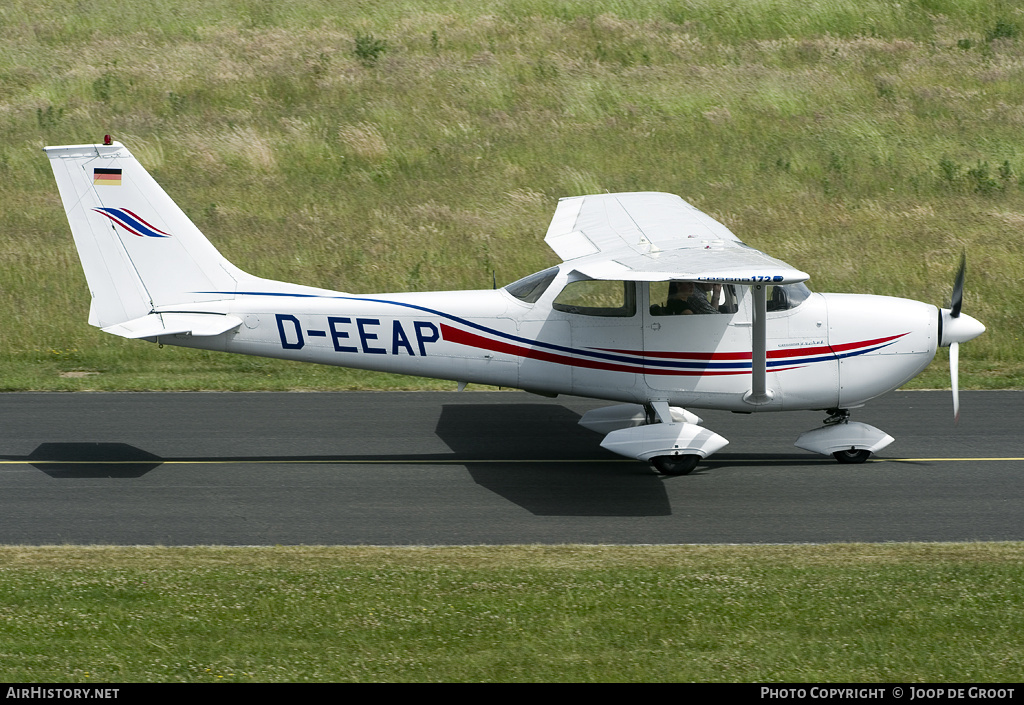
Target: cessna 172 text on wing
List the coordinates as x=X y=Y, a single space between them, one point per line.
x=656 y=306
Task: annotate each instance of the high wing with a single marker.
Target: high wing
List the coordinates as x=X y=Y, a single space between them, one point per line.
x=656 y=237
x=659 y=236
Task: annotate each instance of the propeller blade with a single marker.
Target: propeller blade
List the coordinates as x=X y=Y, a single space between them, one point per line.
x=958 y=288
x=954 y=378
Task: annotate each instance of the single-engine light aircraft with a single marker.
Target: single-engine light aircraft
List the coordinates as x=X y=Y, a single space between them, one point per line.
x=655 y=305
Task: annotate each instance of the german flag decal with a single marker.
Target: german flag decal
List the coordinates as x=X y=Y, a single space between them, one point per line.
x=106 y=177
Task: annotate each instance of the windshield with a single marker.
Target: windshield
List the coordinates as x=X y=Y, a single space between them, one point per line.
x=786 y=296
x=529 y=289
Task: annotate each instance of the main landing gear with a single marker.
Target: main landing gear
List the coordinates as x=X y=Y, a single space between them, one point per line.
x=675 y=464
x=670 y=438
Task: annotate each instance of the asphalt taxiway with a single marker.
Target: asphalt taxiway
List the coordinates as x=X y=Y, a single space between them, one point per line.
x=484 y=468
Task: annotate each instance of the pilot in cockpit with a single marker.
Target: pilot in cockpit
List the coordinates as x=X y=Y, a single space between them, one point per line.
x=686 y=298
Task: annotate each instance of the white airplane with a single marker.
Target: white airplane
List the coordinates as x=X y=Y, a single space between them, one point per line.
x=655 y=305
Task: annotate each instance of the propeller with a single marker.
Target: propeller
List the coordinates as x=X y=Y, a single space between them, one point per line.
x=954 y=378
x=957 y=328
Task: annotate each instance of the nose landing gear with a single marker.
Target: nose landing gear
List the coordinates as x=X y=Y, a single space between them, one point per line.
x=849 y=442
x=852 y=456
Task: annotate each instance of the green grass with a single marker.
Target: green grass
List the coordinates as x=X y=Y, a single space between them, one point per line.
x=908 y=613
x=387 y=147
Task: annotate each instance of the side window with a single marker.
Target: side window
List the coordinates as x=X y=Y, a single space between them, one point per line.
x=593 y=297
x=671 y=298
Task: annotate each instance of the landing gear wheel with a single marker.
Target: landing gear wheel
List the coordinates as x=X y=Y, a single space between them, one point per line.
x=675 y=464
x=852 y=456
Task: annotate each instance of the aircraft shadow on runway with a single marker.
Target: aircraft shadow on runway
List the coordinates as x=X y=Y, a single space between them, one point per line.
x=91 y=460
x=534 y=455
x=555 y=477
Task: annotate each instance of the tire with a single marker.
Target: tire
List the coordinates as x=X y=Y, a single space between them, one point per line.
x=852 y=456
x=675 y=464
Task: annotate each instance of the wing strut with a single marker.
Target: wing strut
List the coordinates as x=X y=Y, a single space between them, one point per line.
x=759 y=392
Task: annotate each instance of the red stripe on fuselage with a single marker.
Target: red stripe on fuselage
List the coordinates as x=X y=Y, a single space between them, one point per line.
x=865 y=343
x=772 y=354
x=457 y=335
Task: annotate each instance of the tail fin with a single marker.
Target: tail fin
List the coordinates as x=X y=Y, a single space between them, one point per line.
x=139 y=250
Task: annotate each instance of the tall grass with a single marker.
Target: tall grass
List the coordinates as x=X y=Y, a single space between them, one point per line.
x=383 y=147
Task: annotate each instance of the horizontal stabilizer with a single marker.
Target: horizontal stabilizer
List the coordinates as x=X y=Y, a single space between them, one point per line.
x=158 y=324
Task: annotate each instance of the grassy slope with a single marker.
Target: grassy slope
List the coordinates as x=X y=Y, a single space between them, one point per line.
x=375 y=147
x=850 y=614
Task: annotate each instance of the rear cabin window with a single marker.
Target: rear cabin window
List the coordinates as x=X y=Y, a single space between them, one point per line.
x=593 y=297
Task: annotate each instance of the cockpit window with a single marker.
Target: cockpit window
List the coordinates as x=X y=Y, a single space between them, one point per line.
x=529 y=289
x=787 y=296
x=687 y=297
